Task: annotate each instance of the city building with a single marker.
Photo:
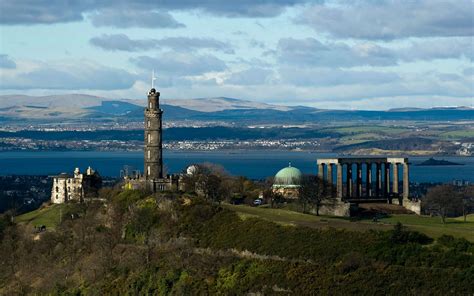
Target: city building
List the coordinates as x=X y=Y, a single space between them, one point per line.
x=75 y=187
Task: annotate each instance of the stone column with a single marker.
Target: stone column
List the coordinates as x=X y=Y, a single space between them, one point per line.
x=406 y=181
x=329 y=173
x=359 y=180
x=395 y=178
x=321 y=171
x=386 y=187
x=339 y=181
x=349 y=180
x=368 y=180
x=378 y=179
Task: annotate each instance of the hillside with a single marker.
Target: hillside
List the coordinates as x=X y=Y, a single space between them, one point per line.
x=138 y=244
x=76 y=107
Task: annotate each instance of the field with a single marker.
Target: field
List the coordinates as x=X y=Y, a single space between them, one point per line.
x=434 y=227
x=458 y=134
x=373 y=129
x=48 y=216
x=431 y=226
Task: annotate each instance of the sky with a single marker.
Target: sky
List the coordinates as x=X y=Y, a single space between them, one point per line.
x=358 y=54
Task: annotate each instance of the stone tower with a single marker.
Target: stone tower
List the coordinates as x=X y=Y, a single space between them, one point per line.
x=153 y=140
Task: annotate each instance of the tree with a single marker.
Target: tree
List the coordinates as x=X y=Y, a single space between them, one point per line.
x=313 y=191
x=467 y=201
x=189 y=182
x=211 y=181
x=212 y=187
x=269 y=195
x=445 y=200
x=276 y=198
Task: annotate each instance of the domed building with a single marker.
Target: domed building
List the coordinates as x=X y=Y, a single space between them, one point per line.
x=287 y=182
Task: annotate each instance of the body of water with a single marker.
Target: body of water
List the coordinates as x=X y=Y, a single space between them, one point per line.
x=252 y=164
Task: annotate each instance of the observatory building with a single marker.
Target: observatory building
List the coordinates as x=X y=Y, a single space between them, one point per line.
x=287 y=182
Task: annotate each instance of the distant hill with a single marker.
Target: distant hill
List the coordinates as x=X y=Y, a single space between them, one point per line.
x=222 y=103
x=114 y=108
x=78 y=106
x=407 y=144
x=435 y=162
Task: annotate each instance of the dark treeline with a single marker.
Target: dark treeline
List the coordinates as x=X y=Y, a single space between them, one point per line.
x=173 y=134
x=184 y=245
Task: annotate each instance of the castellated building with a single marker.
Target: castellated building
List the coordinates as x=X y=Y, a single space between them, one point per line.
x=153 y=178
x=75 y=187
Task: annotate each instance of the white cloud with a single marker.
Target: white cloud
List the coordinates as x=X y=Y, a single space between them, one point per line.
x=71 y=75
x=251 y=76
x=180 y=64
x=310 y=52
x=390 y=19
x=121 y=42
x=6 y=62
x=127 y=18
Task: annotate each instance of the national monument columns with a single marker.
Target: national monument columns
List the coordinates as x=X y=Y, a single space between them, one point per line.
x=362 y=187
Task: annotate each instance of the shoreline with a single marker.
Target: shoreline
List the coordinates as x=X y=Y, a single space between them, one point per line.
x=237 y=151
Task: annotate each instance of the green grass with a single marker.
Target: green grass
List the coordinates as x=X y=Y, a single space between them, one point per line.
x=369 y=129
x=459 y=134
x=360 y=138
x=431 y=226
x=47 y=215
x=289 y=217
x=434 y=227
x=469 y=218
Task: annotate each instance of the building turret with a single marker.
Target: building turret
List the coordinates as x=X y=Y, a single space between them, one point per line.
x=153 y=137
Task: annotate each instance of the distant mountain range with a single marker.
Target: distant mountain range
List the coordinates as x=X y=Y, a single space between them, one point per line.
x=85 y=107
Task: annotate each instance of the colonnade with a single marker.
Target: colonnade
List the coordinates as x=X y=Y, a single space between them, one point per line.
x=384 y=171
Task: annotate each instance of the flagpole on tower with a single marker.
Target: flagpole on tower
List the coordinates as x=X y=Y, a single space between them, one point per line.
x=153 y=78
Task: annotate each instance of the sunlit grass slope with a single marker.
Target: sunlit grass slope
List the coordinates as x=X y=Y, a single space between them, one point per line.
x=431 y=226
x=50 y=216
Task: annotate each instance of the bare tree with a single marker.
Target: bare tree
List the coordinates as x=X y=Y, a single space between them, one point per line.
x=313 y=192
x=467 y=201
x=445 y=200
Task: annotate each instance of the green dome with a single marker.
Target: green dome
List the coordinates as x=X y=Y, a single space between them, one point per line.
x=288 y=177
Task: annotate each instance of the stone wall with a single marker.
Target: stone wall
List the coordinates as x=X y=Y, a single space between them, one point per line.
x=336 y=208
x=58 y=192
x=414 y=206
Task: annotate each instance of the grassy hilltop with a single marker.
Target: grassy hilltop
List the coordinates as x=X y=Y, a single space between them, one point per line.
x=139 y=244
x=431 y=226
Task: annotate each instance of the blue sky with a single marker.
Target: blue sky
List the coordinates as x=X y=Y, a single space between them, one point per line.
x=362 y=54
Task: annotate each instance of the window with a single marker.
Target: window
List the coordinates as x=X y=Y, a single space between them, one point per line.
x=148 y=123
x=151 y=105
x=149 y=138
x=57 y=189
x=148 y=170
x=149 y=154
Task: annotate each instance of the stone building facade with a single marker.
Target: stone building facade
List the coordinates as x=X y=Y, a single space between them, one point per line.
x=75 y=187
